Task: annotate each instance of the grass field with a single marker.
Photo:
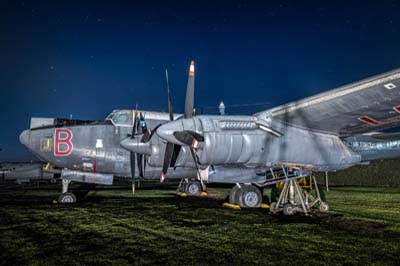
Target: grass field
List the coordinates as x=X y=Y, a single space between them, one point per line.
x=110 y=227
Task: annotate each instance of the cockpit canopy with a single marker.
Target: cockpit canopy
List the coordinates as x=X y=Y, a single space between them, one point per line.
x=126 y=117
x=121 y=117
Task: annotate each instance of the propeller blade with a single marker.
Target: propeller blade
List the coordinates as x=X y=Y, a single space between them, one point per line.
x=146 y=136
x=150 y=132
x=142 y=123
x=144 y=164
x=189 y=138
x=140 y=165
x=171 y=114
x=133 y=159
x=134 y=126
x=189 y=100
x=132 y=154
x=177 y=150
x=169 y=150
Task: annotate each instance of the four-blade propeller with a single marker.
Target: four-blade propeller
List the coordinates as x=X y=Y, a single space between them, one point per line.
x=172 y=150
x=191 y=139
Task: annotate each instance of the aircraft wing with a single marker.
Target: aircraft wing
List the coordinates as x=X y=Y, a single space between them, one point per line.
x=369 y=105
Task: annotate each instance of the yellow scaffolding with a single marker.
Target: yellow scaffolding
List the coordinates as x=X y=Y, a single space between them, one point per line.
x=304 y=182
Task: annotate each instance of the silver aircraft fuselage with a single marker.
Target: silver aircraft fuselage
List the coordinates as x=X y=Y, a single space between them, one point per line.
x=94 y=147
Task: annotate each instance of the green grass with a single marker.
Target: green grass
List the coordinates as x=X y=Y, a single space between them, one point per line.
x=110 y=227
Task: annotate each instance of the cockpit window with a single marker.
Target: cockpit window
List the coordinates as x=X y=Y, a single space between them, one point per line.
x=121 y=118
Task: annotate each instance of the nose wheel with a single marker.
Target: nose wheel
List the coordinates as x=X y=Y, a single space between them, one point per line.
x=66 y=197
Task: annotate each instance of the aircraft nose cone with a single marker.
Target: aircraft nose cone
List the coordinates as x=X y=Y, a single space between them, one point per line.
x=166 y=131
x=24 y=137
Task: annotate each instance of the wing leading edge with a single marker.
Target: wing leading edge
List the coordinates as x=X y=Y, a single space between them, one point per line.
x=371 y=104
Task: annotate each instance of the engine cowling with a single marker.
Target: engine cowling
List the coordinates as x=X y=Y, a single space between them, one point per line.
x=238 y=147
x=236 y=141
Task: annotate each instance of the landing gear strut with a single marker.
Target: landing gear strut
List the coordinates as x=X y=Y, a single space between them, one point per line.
x=293 y=199
x=66 y=197
x=246 y=196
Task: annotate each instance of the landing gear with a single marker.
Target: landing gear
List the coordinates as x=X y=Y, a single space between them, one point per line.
x=193 y=188
x=190 y=187
x=294 y=199
x=246 y=196
x=66 y=197
x=233 y=195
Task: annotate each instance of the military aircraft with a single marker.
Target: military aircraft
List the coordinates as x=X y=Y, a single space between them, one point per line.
x=325 y=132
x=330 y=131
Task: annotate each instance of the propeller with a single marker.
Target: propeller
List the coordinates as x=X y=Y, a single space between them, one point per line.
x=146 y=137
x=186 y=137
x=132 y=154
x=139 y=122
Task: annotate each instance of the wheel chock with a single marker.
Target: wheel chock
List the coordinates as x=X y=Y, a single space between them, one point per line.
x=237 y=207
x=183 y=194
x=203 y=194
x=264 y=206
x=231 y=206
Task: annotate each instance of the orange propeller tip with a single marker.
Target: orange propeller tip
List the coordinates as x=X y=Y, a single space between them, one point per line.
x=191 y=70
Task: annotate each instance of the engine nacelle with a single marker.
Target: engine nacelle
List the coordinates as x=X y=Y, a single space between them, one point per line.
x=236 y=141
x=235 y=147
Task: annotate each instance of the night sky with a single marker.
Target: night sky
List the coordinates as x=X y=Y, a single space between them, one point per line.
x=85 y=59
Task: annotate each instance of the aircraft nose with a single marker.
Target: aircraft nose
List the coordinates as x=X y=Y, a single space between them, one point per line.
x=24 y=137
x=166 y=131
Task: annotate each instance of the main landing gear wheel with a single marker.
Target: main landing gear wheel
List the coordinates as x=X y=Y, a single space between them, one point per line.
x=246 y=196
x=193 y=188
x=289 y=209
x=323 y=207
x=233 y=195
x=250 y=197
x=67 y=197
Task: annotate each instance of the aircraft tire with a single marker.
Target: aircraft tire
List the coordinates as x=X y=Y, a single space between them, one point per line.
x=233 y=199
x=323 y=207
x=288 y=209
x=193 y=188
x=67 y=198
x=249 y=197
